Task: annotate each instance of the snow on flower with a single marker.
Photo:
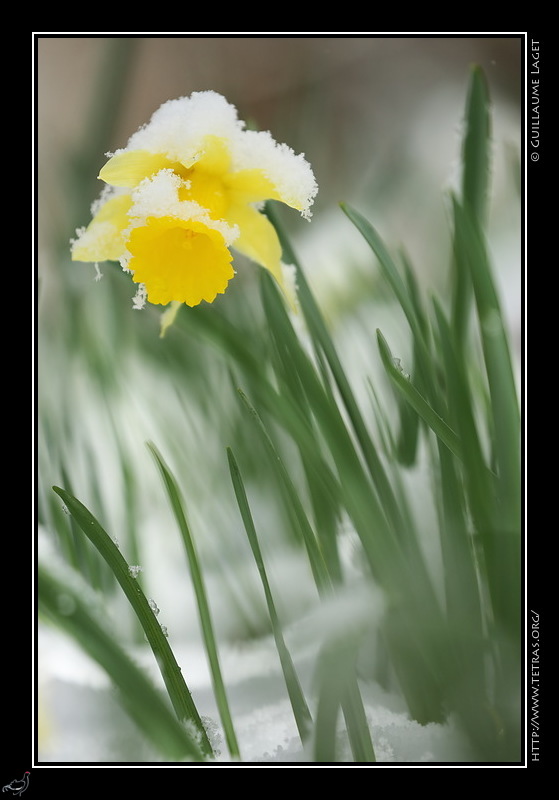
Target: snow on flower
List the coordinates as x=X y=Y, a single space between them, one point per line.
x=188 y=186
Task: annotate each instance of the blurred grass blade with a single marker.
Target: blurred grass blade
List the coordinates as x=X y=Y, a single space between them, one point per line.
x=425 y=411
x=170 y=670
x=338 y=690
x=201 y=601
x=408 y=439
x=498 y=364
x=370 y=484
x=316 y=559
x=327 y=711
x=408 y=436
x=389 y=270
x=70 y=608
x=475 y=151
x=479 y=479
x=503 y=550
x=323 y=343
x=356 y=722
x=407 y=294
x=301 y=711
x=475 y=180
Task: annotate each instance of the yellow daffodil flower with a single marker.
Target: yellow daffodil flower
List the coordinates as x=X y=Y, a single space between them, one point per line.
x=189 y=185
x=213 y=184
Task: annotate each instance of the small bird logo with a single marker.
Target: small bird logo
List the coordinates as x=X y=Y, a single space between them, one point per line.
x=17 y=787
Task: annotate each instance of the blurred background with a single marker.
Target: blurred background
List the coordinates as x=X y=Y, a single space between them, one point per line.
x=380 y=121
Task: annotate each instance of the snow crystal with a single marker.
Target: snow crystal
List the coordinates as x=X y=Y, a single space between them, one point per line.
x=289 y=273
x=398 y=364
x=97 y=239
x=107 y=193
x=154 y=607
x=291 y=174
x=178 y=127
x=139 y=299
x=135 y=571
x=214 y=734
x=158 y=196
x=79 y=233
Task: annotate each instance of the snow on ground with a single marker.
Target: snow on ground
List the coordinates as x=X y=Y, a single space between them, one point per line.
x=81 y=720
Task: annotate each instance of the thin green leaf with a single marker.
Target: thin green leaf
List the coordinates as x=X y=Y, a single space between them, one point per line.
x=323 y=344
x=70 y=608
x=356 y=722
x=475 y=179
x=328 y=706
x=201 y=600
x=475 y=152
x=498 y=364
x=301 y=711
x=407 y=294
x=417 y=401
x=388 y=267
x=338 y=690
x=479 y=479
x=339 y=439
x=170 y=670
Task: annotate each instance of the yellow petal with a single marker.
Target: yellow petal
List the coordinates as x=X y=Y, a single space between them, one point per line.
x=205 y=177
x=103 y=239
x=258 y=238
x=214 y=156
x=179 y=260
x=128 y=169
x=207 y=190
x=251 y=186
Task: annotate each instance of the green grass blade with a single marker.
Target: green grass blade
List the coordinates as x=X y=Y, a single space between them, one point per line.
x=391 y=549
x=338 y=690
x=475 y=180
x=356 y=723
x=202 y=602
x=325 y=349
x=417 y=401
x=475 y=150
x=388 y=267
x=409 y=420
x=301 y=711
x=407 y=294
x=396 y=562
x=372 y=483
x=328 y=706
x=170 y=670
x=479 y=480
x=498 y=364
x=140 y=698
